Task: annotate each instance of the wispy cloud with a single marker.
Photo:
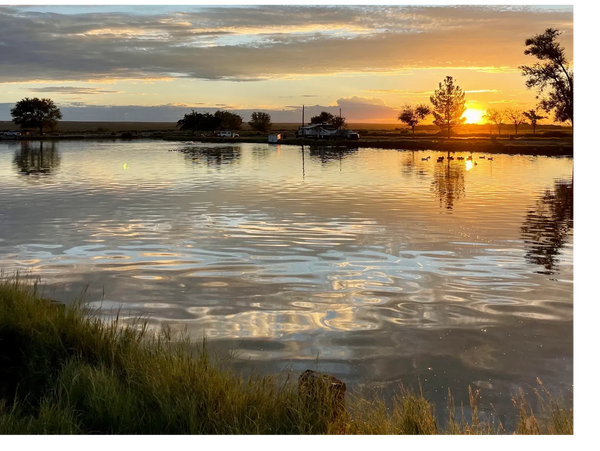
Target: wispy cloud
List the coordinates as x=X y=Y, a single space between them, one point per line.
x=483 y=90
x=249 y=43
x=299 y=95
x=73 y=90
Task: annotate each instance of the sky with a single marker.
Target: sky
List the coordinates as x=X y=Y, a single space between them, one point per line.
x=156 y=63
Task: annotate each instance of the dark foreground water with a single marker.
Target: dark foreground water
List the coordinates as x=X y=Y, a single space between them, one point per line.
x=372 y=265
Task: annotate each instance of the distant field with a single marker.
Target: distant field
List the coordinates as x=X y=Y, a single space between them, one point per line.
x=363 y=128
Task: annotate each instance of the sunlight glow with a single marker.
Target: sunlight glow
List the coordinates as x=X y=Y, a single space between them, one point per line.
x=474 y=116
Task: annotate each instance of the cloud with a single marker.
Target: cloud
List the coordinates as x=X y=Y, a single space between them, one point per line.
x=238 y=43
x=72 y=90
x=347 y=101
x=300 y=95
x=356 y=109
x=367 y=109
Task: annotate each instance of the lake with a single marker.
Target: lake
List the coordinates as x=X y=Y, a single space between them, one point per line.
x=372 y=265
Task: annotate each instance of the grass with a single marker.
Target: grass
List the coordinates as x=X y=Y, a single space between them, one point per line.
x=64 y=371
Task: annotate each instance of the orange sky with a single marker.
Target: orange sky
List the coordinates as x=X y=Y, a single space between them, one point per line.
x=155 y=62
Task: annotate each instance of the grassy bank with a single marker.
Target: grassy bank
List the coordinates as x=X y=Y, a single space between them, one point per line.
x=63 y=371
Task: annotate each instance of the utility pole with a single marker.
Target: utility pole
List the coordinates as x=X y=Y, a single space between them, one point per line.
x=302 y=115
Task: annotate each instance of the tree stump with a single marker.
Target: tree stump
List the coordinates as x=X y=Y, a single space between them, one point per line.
x=322 y=392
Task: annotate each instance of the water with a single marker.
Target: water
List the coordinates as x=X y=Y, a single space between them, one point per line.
x=369 y=264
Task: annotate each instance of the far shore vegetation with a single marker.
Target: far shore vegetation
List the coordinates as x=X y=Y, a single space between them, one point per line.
x=366 y=130
x=66 y=371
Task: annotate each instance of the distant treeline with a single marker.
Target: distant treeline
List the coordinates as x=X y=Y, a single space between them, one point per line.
x=121 y=127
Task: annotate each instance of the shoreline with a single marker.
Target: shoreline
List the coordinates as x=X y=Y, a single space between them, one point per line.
x=552 y=147
x=458 y=145
x=66 y=371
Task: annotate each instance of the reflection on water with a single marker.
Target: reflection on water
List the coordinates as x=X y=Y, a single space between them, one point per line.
x=330 y=154
x=289 y=255
x=548 y=226
x=449 y=183
x=37 y=158
x=211 y=156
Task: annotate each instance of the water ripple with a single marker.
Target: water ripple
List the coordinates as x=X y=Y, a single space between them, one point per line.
x=373 y=261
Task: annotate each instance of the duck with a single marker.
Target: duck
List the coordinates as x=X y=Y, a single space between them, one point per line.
x=490 y=158
x=482 y=158
x=440 y=159
x=425 y=159
x=469 y=158
x=460 y=158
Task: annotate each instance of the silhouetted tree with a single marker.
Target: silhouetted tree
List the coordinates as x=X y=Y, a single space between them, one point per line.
x=495 y=117
x=195 y=121
x=260 y=121
x=533 y=118
x=323 y=118
x=515 y=117
x=553 y=78
x=338 y=121
x=448 y=105
x=229 y=121
x=36 y=113
x=411 y=116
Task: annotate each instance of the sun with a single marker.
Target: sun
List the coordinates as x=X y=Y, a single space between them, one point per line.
x=474 y=116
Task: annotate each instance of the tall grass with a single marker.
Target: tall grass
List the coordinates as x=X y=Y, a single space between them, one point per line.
x=64 y=371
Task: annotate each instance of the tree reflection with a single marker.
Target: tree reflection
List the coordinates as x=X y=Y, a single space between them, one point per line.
x=37 y=158
x=330 y=154
x=548 y=225
x=412 y=165
x=212 y=156
x=449 y=183
x=263 y=152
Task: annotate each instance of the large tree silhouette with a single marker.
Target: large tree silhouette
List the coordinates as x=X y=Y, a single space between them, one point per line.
x=495 y=117
x=448 y=105
x=260 y=121
x=553 y=77
x=533 y=118
x=323 y=118
x=412 y=115
x=36 y=113
x=229 y=120
x=195 y=121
